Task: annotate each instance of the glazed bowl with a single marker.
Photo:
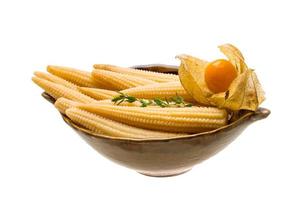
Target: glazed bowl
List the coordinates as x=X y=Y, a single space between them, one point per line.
x=166 y=157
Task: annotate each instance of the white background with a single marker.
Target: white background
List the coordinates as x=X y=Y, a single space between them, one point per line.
x=42 y=158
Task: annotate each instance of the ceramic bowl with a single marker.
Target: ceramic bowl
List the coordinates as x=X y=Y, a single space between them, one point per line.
x=166 y=157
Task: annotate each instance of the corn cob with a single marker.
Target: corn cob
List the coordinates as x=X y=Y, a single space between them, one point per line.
x=106 y=96
x=159 y=90
x=62 y=104
x=103 y=126
x=155 y=76
x=124 y=103
x=57 y=91
x=190 y=120
x=119 y=81
x=55 y=79
x=98 y=94
x=78 y=77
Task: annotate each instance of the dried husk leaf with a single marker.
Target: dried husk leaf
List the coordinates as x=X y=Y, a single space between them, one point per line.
x=260 y=94
x=242 y=93
x=245 y=92
x=234 y=56
x=234 y=97
x=191 y=73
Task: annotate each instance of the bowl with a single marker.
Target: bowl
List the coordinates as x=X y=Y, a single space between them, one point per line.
x=166 y=157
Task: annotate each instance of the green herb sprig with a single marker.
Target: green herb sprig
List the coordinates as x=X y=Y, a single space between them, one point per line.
x=176 y=101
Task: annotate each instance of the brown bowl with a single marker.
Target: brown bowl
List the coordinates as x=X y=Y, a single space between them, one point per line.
x=166 y=157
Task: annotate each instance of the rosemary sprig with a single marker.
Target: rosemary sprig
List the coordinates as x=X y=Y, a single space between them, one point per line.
x=176 y=101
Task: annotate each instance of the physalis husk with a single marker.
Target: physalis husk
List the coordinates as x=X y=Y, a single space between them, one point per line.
x=245 y=91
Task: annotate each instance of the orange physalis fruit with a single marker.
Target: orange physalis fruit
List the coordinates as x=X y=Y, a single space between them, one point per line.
x=219 y=74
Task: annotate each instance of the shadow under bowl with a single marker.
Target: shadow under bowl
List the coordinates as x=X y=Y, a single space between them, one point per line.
x=166 y=157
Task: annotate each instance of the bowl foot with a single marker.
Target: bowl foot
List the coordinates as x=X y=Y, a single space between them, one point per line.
x=165 y=174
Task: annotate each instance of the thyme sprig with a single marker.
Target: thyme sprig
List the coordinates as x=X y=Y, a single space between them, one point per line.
x=176 y=101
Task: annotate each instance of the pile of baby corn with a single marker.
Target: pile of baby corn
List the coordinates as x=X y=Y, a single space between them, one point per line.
x=86 y=98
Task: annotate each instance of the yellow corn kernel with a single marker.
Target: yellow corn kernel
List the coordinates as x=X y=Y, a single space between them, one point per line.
x=98 y=94
x=56 y=79
x=78 y=77
x=155 y=76
x=57 y=91
x=188 y=120
x=159 y=90
x=119 y=81
x=62 y=104
x=102 y=126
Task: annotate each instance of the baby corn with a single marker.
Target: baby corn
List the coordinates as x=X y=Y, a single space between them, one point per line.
x=98 y=94
x=102 y=126
x=189 y=120
x=78 y=77
x=119 y=81
x=124 y=103
x=159 y=90
x=55 y=79
x=155 y=76
x=57 y=91
x=62 y=104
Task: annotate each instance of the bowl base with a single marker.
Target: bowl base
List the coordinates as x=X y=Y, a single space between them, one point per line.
x=165 y=174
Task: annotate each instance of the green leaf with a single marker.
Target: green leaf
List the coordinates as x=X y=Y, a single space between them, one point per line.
x=178 y=99
x=130 y=99
x=160 y=102
x=145 y=102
